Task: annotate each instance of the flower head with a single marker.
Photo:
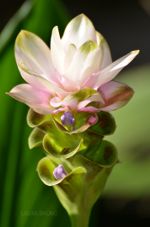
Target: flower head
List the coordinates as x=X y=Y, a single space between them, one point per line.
x=74 y=75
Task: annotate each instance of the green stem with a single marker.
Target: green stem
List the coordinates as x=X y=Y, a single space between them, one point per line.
x=81 y=219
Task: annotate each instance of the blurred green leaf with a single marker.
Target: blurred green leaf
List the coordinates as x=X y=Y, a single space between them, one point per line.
x=24 y=200
x=132 y=139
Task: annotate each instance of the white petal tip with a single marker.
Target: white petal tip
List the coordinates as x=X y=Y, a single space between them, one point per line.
x=11 y=93
x=135 y=52
x=23 y=34
x=81 y=15
x=8 y=93
x=55 y=28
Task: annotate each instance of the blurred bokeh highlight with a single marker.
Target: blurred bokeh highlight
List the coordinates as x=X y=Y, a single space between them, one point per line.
x=24 y=200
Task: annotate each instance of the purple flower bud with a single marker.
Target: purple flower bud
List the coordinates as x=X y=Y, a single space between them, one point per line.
x=59 y=172
x=67 y=118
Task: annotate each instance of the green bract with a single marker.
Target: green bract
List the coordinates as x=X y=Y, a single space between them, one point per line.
x=87 y=159
x=84 y=181
x=105 y=125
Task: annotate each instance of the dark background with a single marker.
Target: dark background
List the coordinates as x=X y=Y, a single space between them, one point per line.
x=125 y=25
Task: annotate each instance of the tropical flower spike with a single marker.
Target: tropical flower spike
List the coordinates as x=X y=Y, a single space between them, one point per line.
x=70 y=91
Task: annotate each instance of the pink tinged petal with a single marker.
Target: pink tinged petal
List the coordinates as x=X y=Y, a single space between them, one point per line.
x=115 y=95
x=69 y=102
x=79 y=30
x=60 y=109
x=90 y=109
x=33 y=55
x=111 y=71
x=55 y=102
x=68 y=85
x=94 y=98
x=35 y=99
x=106 y=55
x=42 y=84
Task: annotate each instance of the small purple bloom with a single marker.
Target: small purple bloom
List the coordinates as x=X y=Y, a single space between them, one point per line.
x=59 y=172
x=67 y=118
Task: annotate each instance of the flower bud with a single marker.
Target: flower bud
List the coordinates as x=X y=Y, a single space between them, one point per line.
x=67 y=119
x=59 y=172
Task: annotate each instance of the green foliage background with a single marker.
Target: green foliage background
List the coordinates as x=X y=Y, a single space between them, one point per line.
x=24 y=200
x=131 y=178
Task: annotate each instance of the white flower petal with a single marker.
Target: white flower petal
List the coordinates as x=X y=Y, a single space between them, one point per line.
x=85 y=57
x=79 y=30
x=94 y=58
x=57 y=50
x=91 y=64
x=73 y=71
x=70 y=52
x=33 y=54
x=106 y=55
x=111 y=71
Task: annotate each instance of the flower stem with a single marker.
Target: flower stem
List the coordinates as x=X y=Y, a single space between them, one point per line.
x=81 y=219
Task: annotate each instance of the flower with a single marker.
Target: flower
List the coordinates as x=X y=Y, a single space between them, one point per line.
x=59 y=172
x=75 y=75
x=67 y=119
